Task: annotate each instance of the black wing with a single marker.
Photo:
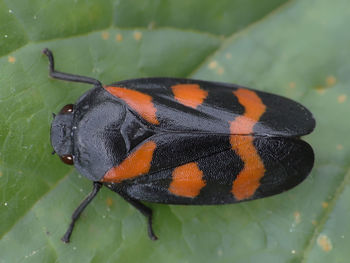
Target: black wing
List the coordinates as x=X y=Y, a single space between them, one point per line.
x=200 y=106
x=206 y=170
x=212 y=142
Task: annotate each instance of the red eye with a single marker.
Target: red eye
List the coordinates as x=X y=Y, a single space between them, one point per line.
x=67 y=159
x=67 y=109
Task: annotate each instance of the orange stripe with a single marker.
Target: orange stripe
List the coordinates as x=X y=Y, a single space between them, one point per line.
x=190 y=95
x=136 y=164
x=248 y=180
x=187 y=180
x=140 y=102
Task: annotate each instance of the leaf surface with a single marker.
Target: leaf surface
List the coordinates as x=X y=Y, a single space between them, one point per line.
x=299 y=49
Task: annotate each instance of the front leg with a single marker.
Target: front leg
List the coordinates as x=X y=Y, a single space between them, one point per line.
x=96 y=188
x=145 y=210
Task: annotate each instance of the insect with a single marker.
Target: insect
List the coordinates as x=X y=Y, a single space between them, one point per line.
x=181 y=141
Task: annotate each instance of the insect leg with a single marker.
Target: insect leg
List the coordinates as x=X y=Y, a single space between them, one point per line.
x=145 y=210
x=66 y=76
x=96 y=188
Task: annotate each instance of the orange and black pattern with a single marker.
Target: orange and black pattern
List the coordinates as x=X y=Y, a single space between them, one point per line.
x=181 y=141
x=195 y=142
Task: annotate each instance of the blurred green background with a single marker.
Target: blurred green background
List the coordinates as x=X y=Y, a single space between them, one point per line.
x=297 y=48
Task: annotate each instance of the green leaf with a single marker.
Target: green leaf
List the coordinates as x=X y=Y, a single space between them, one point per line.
x=299 y=49
x=224 y=17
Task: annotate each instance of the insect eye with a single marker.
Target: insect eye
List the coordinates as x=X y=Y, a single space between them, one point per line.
x=67 y=109
x=67 y=159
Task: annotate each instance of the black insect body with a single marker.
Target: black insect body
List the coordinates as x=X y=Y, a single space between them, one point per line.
x=182 y=141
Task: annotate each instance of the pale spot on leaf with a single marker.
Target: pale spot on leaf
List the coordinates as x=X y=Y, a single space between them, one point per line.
x=297 y=217
x=320 y=90
x=220 y=252
x=109 y=201
x=151 y=25
x=221 y=70
x=331 y=80
x=11 y=59
x=342 y=98
x=119 y=37
x=137 y=35
x=325 y=243
x=105 y=35
x=213 y=64
x=339 y=147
